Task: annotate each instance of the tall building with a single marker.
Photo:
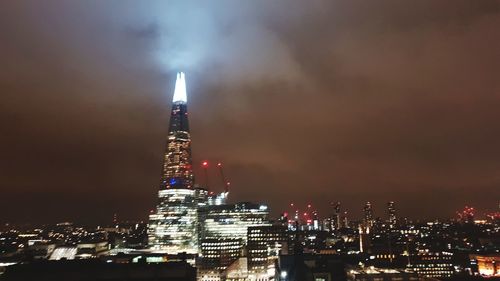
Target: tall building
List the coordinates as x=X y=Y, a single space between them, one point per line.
x=364 y=238
x=391 y=209
x=265 y=244
x=177 y=163
x=368 y=214
x=345 y=219
x=223 y=231
x=232 y=220
x=336 y=219
x=173 y=227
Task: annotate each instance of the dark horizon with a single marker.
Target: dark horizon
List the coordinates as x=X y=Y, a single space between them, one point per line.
x=331 y=101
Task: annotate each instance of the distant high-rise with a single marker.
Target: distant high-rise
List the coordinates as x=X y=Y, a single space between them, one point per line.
x=364 y=238
x=391 y=209
x=337 y=216
x=368 y=214
x=345 y=219
x=173 y=228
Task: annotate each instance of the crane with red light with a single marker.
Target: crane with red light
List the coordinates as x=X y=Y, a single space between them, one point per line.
x=204 y=165
x=216 y=199
x=225 y=182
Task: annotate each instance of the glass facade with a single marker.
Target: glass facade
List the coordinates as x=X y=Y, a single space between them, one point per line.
x=223 y=231
x=174 y=226
x=391 y=209
x=177 y=163
x=232 y=220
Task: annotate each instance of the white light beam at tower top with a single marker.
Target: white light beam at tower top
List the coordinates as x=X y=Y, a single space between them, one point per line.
x=180 y=94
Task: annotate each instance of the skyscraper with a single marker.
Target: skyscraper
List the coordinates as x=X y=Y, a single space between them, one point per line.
x=177 y=162
x=173 y=228
x=337 y=216
x=391 y=209
x=368 y=214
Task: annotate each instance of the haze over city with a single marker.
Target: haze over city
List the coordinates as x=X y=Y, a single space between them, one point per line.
x=349 y=101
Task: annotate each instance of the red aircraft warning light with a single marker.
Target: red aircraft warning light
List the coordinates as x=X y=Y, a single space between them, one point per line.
x=204 y=164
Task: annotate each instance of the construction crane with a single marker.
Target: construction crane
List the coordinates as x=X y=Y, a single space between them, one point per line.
x=204 y=165
x=225 y=182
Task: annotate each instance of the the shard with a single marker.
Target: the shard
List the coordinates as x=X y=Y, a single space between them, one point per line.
x=177 y=162
x=173 y=227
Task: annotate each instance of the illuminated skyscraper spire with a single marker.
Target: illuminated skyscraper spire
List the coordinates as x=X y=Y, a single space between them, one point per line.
x=180 y=94
x=173 y=228
x=177 y=163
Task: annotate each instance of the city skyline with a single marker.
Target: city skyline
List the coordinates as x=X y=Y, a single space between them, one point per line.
x=327 y=140
x=406 y=114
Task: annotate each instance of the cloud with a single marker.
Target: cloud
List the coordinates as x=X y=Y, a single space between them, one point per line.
x=324 y=101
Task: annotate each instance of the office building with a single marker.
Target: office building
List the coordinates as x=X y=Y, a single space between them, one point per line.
x=265 y=244
x=223 y=231
x=391 y=210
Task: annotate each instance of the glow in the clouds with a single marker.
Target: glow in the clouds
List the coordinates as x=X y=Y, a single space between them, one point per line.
x=180 y=88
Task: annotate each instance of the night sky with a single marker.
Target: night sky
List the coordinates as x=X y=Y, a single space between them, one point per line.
x=303 y=101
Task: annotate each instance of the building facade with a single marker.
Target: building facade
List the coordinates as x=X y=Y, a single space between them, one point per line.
x=223 y=231
x=265 y=244
x=391 y=210
x=177 y=171
x=368 y=214
x=173 y=227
